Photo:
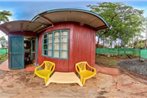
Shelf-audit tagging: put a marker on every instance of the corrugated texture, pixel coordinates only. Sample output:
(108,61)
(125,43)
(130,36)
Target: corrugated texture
(61,64)
(81,46)
(75,16)
(71,15)
(22,26)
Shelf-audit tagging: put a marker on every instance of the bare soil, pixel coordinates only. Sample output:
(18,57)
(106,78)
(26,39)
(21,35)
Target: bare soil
(20,84)
(109,61)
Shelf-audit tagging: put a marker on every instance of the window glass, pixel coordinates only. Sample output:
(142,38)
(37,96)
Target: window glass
(63,54)
(55,44)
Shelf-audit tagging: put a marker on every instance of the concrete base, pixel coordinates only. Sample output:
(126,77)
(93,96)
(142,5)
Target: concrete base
(4,66)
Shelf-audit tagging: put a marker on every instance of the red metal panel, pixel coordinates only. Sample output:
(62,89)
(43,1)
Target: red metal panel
(24,33)
(81,46)
(61,64)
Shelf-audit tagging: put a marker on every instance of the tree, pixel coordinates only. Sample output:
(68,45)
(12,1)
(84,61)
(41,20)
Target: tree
(3,42)
(4,16)
(125,21)
(145,30)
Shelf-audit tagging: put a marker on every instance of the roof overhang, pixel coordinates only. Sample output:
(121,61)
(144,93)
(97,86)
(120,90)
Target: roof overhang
(71,15)
(22,26)
(49,18)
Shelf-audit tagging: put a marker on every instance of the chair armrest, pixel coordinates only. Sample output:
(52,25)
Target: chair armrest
(76,67)
(92,68)
(52,69)
(37,67)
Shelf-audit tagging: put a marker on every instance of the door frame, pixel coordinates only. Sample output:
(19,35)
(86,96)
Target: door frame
(35,51)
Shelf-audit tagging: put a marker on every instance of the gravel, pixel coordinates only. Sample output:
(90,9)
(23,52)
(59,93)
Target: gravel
(135,65)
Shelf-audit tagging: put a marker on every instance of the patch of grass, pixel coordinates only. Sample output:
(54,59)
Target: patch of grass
(3,57)
(107,61)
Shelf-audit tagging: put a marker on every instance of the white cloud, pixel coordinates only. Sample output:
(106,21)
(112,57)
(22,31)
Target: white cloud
(11,19)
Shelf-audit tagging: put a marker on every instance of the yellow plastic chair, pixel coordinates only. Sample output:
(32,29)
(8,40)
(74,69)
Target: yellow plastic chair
(85,71)
(45,70)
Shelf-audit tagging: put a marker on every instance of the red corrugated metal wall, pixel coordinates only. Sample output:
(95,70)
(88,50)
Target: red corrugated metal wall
(81,46)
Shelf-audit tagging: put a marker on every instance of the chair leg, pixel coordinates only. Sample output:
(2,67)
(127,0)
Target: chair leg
(83,82)
(81,79)
(46,80)
(34,75)
(47,83)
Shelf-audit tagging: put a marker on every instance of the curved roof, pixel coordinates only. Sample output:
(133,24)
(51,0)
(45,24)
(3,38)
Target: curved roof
(75,15)
(21,26)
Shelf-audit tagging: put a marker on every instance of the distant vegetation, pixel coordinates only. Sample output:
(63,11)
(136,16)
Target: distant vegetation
(3,58)
(4,16)
(3,54)
(125,23)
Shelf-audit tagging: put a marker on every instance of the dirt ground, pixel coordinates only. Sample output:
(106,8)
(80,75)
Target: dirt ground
(109,61)
(20,84)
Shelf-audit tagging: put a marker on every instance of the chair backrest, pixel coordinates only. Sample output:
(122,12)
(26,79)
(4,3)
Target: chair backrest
(81,66)
(49,65)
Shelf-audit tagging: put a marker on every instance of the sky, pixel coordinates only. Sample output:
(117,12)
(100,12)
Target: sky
(27,9)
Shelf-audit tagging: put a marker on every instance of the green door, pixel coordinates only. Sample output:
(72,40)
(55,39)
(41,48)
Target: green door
(16,52)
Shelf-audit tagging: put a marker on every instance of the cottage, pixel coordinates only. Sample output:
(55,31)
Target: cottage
(63,36)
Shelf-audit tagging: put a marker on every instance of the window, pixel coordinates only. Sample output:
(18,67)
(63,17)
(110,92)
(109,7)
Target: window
(55,44)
